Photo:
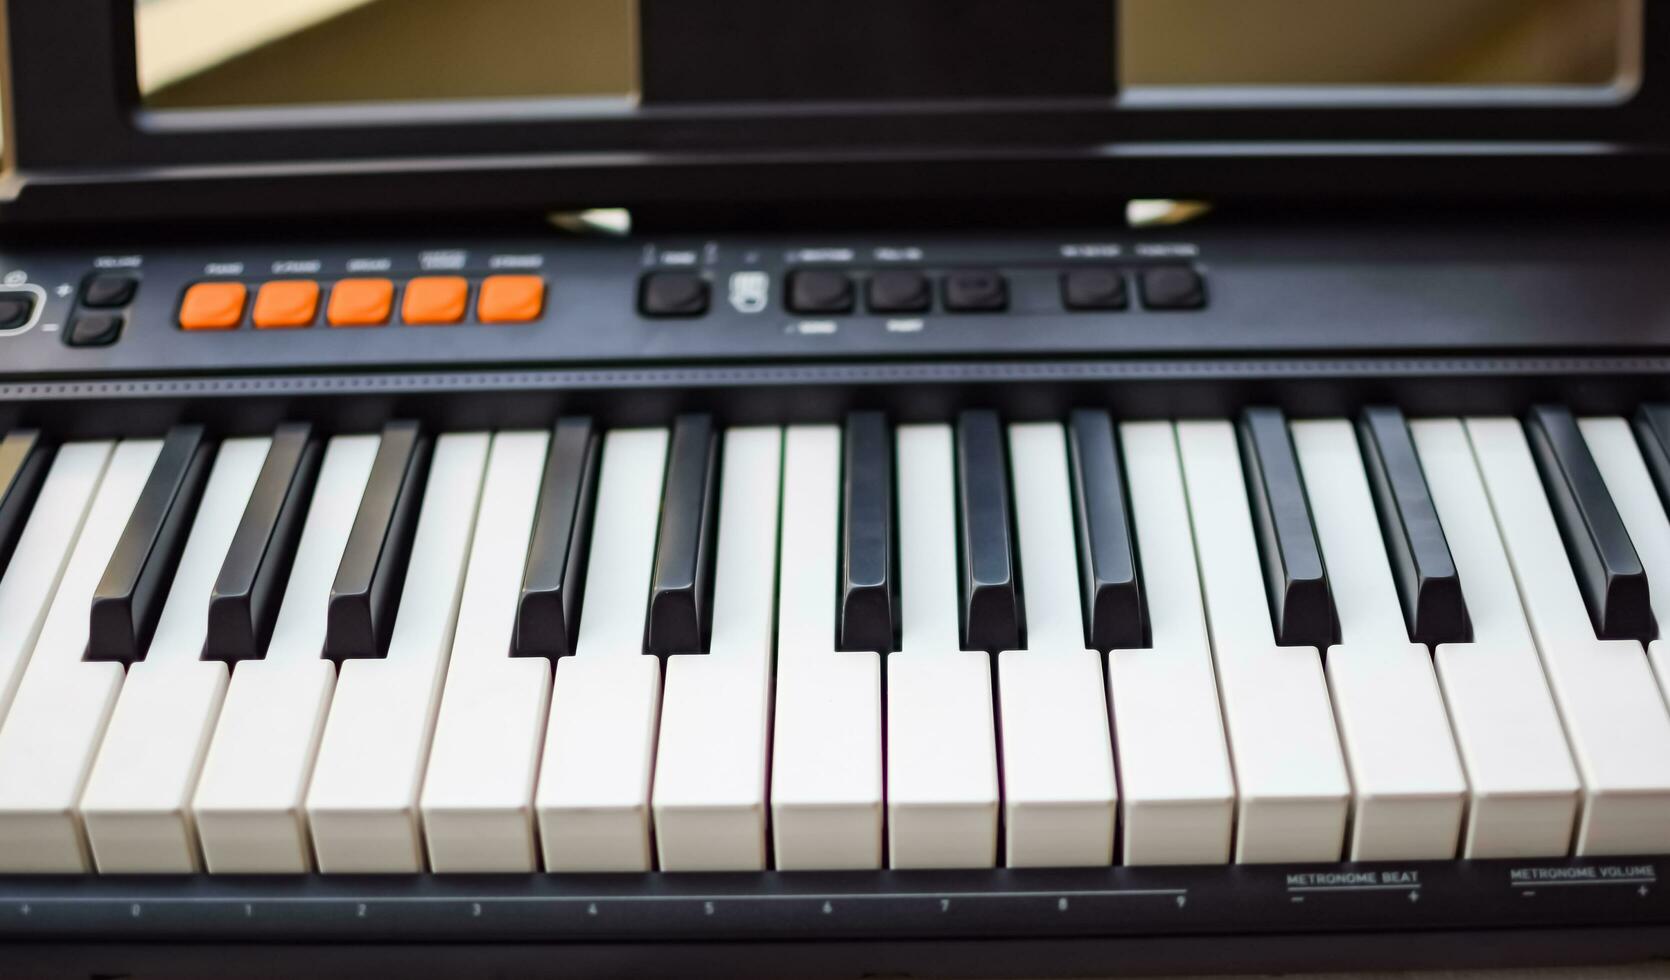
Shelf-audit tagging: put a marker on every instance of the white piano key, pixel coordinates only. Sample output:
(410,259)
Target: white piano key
(362,802)
(942,789)
(1612,443)
(1058,779)
(136,806)
(1291,779)
(708,794)
(1177,790)
(63,702)
(826,769)
(1408,789)
(248,802)
(42,552)
(594,781)
(1523,787)
(1614,714)
(478,785)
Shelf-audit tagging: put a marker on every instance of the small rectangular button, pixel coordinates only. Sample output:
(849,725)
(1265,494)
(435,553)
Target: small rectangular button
(286,303)
(360,303)
(434,299)
(108,291)
(1093,289)
(673,294)
(213,306)
(1172,287)
(94,330)
(976,291)
(510,299)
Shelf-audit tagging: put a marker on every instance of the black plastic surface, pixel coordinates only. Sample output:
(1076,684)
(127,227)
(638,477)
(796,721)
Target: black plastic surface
(244,604)
(366,592)
(1301,608)
(992,613)
(869,613)
(1427,582)
(681,590)
(1112,593)
(548,615)
(129,597)
(1608,571)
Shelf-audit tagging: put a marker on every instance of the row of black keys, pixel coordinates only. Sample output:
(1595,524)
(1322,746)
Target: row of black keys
(360,614)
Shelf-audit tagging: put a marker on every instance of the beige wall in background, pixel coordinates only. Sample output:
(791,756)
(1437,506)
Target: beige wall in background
(1292,42)
(236,52)
(422,49)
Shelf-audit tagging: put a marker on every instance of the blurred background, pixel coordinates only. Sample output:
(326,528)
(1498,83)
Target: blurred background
(195,53)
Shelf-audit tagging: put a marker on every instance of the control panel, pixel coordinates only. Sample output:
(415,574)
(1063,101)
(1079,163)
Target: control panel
(482,301)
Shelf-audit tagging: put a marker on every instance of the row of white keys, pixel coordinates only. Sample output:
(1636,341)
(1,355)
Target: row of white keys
(710,763)
(58,715)
(594,780)
(249,799)
(1293,791)
(1059,791)
(42,552)
(942,788)
(826,755)
(1612,443)
(1523,787)
(1614,713)
(137,804)
(362,802)
(1408,790)
(478,785)
(1177,799)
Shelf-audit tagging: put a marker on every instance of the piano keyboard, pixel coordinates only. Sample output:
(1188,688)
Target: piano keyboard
(1076,642)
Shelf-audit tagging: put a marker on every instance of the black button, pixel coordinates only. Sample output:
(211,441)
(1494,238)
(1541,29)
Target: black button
(108,291)
(94,330)
(899,291)
(820,291)
(15,311)
(1173,287)
(1093,289)
(977,291)
(672,294)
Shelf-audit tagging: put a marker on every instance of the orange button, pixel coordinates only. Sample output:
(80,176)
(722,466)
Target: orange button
(286,303)
(510,299)
(434,299)
(213,306)
(360,303)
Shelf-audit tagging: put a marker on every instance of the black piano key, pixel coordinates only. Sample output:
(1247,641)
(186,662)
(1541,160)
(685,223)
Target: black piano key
(244,603)
(24,458)
(129,597)
(1107,554)
(869,618)
(990,580)
(1609,573)
(1427,581)
(1301,608)
(680,611)
(1652,431)
(547,617)
(366,591)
